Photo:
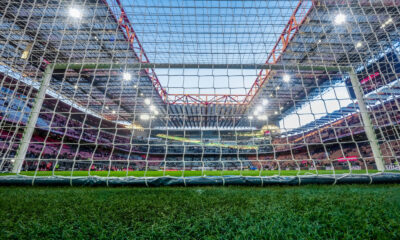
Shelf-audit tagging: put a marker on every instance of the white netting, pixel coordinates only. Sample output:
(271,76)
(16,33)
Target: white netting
(199,88)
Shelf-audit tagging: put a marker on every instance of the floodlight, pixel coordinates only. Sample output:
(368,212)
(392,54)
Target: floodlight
(387,22)
(340,19)
(75,12)
(286,78)
(126,76)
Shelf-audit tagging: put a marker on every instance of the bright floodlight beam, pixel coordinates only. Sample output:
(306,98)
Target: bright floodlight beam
(126,76)
(75,12)
(286,78)
(340,19)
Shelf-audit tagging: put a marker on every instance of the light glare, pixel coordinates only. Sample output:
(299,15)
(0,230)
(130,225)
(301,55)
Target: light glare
(340,19)
(74,12)
(126,76)
(286,78)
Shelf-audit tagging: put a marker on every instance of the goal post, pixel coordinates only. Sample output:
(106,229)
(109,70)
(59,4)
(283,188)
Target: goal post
(32,120)
(366,120)
(44,83)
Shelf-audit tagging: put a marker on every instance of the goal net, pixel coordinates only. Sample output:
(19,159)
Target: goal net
(199,92)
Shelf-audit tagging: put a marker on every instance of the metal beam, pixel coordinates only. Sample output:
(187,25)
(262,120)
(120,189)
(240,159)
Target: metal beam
(136,66)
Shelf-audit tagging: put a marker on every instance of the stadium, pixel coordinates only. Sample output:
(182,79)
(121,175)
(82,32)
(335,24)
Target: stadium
(201,93)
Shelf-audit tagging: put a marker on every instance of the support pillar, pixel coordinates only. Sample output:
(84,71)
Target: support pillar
(32,120)
(366,120)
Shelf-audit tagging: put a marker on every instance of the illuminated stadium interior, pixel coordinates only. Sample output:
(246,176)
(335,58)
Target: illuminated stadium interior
(199,88)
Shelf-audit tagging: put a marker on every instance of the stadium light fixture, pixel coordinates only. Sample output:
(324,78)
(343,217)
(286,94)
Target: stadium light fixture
(265,102)
(359,44)
(340,19)
(153,108)
(75,12)
(147,101)
(387,22)
(126,76)
(113,112)
(286,78)
(135,86)
(155,112)
(144,117)
(251,117)
(107,107)
(76,86)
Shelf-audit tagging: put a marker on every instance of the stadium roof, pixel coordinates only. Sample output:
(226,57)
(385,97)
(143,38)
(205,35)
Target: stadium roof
(105,33)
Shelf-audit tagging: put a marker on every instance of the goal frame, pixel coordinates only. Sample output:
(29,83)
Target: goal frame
(48,73)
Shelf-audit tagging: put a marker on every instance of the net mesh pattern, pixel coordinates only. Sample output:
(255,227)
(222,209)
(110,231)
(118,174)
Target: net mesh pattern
(149,89)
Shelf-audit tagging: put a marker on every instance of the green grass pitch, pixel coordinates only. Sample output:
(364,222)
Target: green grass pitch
(279,212)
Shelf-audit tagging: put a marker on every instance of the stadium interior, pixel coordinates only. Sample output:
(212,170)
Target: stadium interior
(120,97)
